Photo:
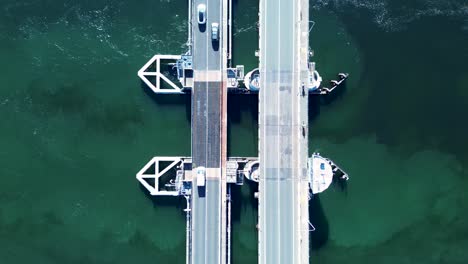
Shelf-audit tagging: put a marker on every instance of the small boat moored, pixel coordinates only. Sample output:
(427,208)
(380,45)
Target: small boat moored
(322,172)
(252,80)
(251,170)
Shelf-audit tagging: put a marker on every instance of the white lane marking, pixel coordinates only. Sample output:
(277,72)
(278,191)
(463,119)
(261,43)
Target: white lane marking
(194,203)
(193,209)
(221,121)
(294,95)
(279,127)
(208,75)
(264,129)
(206,132)
(207,156)
(262,91)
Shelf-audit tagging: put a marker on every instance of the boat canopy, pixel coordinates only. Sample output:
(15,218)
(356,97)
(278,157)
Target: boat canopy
(321,174)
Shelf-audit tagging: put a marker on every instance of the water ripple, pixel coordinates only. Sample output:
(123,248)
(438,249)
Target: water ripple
(393,16)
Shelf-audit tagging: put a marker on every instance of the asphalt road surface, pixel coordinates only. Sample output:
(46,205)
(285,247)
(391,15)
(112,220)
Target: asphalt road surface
(206,134)
(281,142)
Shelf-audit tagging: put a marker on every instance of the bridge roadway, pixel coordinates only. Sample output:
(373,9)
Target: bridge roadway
(283,123)
(208,237)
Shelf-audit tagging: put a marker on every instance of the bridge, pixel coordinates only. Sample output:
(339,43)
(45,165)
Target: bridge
(286,175)
(283,224)
(209,99)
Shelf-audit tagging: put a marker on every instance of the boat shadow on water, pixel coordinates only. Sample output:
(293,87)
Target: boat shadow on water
(341,184)
(318,219)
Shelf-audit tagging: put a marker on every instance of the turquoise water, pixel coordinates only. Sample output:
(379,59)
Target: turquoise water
(76,127)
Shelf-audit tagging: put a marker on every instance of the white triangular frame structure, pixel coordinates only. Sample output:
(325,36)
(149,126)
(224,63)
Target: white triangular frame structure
(156,87)
(154,190)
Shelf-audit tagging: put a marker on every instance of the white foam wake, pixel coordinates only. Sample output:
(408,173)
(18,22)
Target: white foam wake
(393,16)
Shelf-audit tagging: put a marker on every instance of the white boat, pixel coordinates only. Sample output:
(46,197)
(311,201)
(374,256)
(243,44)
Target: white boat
(320,174)
(252,80)
(314,81)
(251,170)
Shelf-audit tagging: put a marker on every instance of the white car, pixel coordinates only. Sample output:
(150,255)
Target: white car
(201,173)
(214,31)
(201,10)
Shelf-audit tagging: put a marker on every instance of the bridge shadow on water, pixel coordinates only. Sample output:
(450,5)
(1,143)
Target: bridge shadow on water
(240,201)
(317,217)
(177,202)
(243,200)
(170,99)
(316,101)
(337,94)
(239,104)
